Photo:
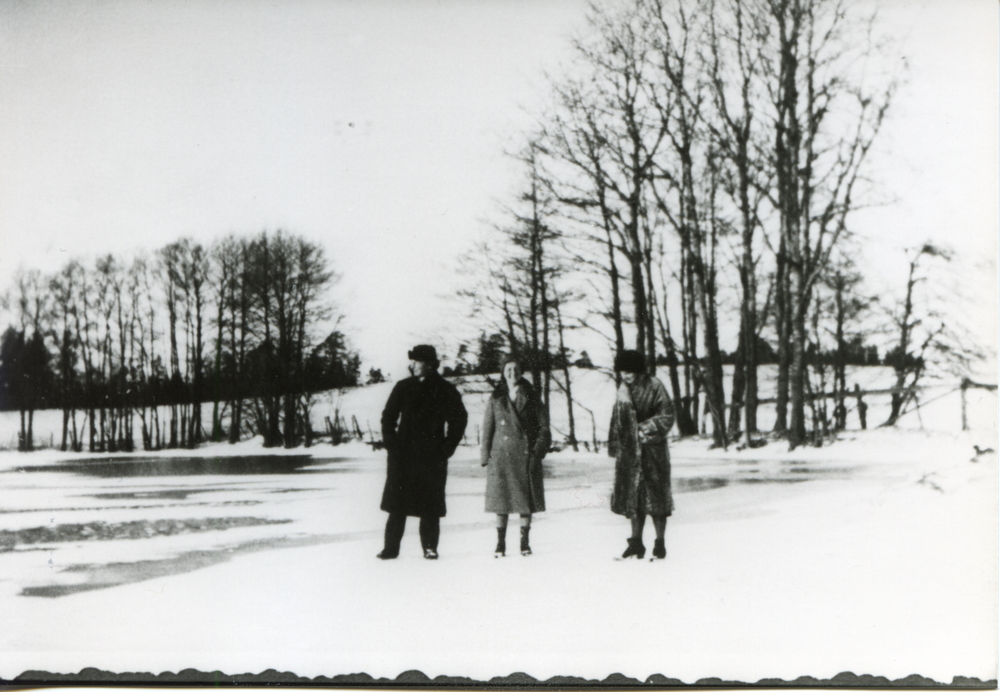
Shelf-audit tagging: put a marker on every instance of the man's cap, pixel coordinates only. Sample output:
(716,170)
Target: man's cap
(424,353)
(630,361)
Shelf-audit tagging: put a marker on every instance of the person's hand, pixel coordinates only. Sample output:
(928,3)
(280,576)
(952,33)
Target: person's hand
(647,432)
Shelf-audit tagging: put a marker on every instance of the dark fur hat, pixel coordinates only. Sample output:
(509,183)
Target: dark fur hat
(424,353)
(630,361)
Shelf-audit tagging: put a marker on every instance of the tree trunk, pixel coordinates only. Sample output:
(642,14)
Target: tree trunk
(840,365)
(569,388)
(797,369)
(616,309)
(75,443)
(235,423)
(739,390)
(685,425)
(784,350)
(65,428)
(290,417)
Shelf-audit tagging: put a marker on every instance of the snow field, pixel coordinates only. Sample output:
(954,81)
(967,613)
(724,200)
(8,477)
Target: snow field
(873,572)
(875,555)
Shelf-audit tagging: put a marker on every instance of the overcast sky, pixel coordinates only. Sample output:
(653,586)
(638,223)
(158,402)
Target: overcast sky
(378,129)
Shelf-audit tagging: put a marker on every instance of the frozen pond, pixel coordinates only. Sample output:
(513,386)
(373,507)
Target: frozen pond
(110,467)
(268,561)
(158,516)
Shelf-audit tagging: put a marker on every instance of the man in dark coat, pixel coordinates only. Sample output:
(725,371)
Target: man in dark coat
(422,424)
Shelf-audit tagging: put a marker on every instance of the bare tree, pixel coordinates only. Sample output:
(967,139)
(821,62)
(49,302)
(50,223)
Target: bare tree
(734,79)
(815,69)
(34,315)
(606,132)
(171,275)
(918,333)
(63,289)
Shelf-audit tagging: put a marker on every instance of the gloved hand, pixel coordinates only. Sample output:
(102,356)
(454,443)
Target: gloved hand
(648,432)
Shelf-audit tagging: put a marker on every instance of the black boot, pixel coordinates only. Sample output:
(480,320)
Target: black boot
(659,550)
(430,531)
(525,548)
(394,527)
(501,542)
(636,548)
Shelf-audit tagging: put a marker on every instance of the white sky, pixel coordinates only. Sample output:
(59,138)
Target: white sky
(377,129)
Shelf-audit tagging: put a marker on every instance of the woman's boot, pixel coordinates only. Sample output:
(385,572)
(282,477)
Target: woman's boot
(659,549)
(635,548)
(525,548)
(501,542)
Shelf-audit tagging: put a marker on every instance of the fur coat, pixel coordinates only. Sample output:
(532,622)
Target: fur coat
(637,438)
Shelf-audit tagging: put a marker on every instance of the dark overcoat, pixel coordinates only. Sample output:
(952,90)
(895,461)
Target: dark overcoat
(515,439)
(422,424)
(637,438)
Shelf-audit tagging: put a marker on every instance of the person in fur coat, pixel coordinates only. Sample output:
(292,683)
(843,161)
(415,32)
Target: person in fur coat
(643,415)
(515,439)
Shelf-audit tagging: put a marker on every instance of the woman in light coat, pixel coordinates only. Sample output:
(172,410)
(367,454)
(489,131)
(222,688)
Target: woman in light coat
(516,438)
(637,438)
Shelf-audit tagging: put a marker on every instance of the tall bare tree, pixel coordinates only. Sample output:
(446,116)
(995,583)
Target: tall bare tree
(827,118)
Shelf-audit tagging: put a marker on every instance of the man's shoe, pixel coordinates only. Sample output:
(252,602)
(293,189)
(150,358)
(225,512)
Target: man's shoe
(659,550)
(386,555)
(430,554)
(636,548)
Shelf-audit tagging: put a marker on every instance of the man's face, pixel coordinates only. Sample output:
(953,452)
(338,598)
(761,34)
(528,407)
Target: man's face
(630,377)
(420,368)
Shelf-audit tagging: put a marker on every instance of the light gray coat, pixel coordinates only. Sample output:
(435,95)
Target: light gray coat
(515,439)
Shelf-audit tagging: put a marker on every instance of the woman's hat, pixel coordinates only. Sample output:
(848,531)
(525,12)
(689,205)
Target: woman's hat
(630,361)
(424,353)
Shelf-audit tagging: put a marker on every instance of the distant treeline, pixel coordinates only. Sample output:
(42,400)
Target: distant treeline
(143,343)
(492,350)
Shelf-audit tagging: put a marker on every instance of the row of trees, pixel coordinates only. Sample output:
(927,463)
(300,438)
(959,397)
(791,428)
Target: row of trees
(697,168)
(145,343)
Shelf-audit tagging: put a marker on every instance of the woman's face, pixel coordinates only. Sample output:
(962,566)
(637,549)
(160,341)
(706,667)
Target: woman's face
(630,377)
(512,373)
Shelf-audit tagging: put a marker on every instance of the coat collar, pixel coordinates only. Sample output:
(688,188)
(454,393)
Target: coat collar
(524,391)
(520,404)
(430,378)
(642,379)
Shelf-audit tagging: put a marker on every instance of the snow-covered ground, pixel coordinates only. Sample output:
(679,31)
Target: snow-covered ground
(875,555)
